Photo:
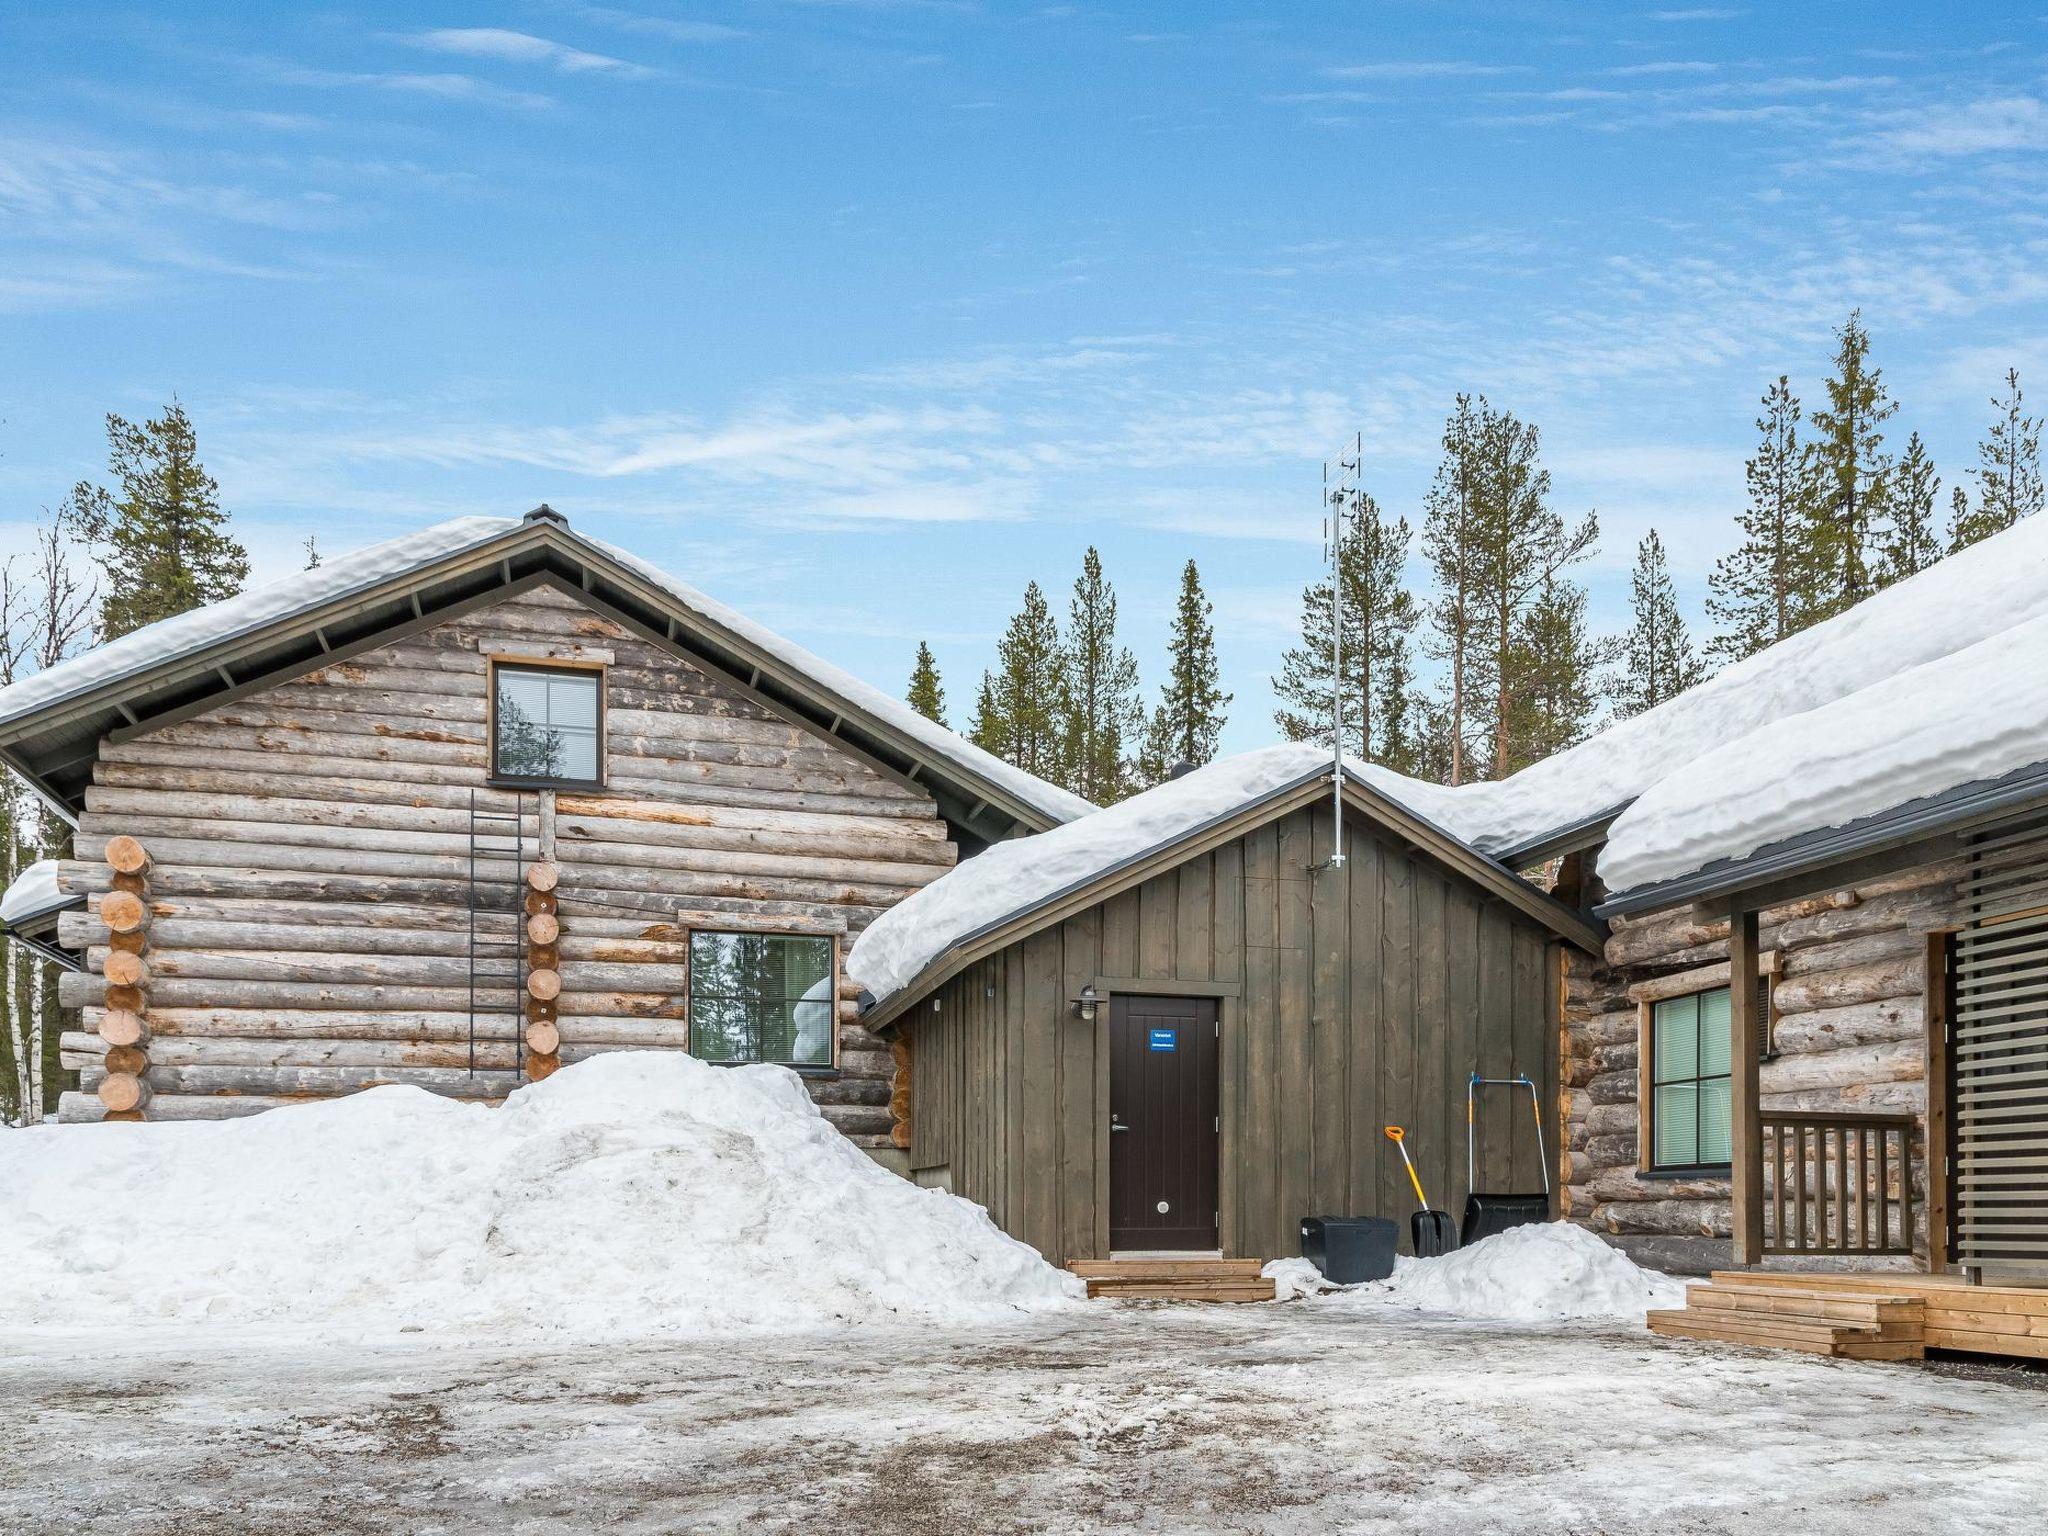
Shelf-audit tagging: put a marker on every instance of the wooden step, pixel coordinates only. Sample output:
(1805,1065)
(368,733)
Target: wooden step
(1846,1324)
(1194,1279)
(1814,1306)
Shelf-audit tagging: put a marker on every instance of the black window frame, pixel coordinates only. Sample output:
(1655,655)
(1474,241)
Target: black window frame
(1651,1083)
(596,674)
(826,1068)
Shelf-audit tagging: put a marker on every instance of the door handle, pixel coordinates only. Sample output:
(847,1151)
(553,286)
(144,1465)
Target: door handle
(1117,1127)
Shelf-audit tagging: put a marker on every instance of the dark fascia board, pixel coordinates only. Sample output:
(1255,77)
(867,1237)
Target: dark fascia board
(1394,818)
(38,932)
(1812,854)
(366,616)
(1588,832)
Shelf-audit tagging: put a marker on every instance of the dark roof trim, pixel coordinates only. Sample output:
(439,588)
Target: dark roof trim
(53,747)
(1952,810)
(1392,816)
(38,931)
(1572,837)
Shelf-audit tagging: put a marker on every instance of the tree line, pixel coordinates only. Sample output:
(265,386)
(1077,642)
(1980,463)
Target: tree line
(109,560)
(1492,664)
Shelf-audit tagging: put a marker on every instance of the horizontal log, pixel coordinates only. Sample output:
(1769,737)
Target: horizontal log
(399,1025)
(1698,979)
(86,1109)
(1864,949)
(1885,1062)
(1613,1087)
(1625,1184)
(1695,1218)
(1857,1024)
(81,989)
(1908,1097)
(1903,977)
(288,1082)
(396,970)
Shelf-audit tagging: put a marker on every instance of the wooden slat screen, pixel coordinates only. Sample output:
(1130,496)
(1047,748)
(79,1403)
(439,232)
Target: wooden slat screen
(1999,1055)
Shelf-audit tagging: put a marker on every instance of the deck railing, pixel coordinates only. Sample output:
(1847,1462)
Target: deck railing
(1837,1183)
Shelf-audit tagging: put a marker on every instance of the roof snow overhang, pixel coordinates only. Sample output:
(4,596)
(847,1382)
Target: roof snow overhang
(1918,831)
(1404,825)
(54,745)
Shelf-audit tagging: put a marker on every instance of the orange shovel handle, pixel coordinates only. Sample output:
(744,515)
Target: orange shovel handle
(1394,1133)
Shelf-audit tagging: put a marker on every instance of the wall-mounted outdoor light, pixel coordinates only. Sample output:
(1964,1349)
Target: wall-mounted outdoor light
(1086,1004)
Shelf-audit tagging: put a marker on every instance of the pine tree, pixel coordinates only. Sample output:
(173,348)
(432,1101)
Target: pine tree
(926,696)
(1103,711)
(162,538)
(1379,618)
(1554,681)
(2008,472)
(1656,654)
(1763,591)
(1853,475)
(1450,542)
(1959,514)
(1908,542)
(1522,545)
(1020,715)
(1189,719)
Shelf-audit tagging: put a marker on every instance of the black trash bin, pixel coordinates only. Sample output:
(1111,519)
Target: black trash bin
(1350,1249)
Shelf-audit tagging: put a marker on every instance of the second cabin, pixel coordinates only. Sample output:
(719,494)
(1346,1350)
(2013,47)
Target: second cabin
(1179,1025)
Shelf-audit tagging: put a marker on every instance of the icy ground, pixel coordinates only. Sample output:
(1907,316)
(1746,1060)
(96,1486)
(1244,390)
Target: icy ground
(1288,1418)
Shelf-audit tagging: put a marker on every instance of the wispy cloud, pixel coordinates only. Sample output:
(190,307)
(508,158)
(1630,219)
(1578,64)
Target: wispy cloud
(1665,67)
(669,28)
(524,48)
(1994,126)
(1422,69)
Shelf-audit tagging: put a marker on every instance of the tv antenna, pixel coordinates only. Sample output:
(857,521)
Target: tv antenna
(1343,490)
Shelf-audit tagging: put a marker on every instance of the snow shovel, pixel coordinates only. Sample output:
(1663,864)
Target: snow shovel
(1431,1230)
(1486,1214)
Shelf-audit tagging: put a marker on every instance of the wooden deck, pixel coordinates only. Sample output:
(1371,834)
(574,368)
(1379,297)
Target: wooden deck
(1202,1279)
(1871,1316)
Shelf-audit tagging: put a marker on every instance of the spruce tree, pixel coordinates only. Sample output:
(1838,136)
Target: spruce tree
(1853,475)
(1521,546)
(1554,679)
(2008,472)
(926,695)
(1763,591)
(1379,619)
(1450,542)
(1185,726)
(1020,715)
(1656,654)
(1908,542)
(1103,711)
(161,537)
(1959,515)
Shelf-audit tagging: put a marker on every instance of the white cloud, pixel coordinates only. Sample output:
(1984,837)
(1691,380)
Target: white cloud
(523,48)
(669,28)
(1421,69)
(1993,126)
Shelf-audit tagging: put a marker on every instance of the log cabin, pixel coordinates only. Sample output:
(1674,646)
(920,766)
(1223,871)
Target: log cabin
(465,806)
(461,808)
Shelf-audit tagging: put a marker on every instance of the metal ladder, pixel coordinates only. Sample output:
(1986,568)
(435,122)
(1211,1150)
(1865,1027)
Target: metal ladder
(497,929)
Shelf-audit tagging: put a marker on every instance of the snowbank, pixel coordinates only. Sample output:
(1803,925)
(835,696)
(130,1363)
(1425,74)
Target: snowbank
(1543,1272)
(1975,715)
(33,893)
(640,1192)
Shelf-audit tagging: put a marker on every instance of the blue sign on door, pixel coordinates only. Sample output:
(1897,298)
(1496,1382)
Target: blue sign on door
(1164,1039)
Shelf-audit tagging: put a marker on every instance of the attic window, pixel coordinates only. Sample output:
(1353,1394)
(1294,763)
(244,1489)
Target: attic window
(547,725)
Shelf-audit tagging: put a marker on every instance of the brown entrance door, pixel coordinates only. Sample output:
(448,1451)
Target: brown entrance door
(1162,1123)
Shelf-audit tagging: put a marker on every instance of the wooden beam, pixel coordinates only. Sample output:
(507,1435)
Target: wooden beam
(1938,1259)
(1746,1129)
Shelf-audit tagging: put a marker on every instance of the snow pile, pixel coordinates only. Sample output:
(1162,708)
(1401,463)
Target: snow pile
(640,1192)
(1542,1272)
(1975,715)
(33,893)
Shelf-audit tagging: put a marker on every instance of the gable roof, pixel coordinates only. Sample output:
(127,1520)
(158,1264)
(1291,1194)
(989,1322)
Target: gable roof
(1019,887)
(51,724)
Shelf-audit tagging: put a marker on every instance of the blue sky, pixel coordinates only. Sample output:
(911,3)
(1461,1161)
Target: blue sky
(860,314)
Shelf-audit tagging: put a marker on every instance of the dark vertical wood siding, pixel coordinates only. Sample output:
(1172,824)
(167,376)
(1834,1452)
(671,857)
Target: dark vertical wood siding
(1356,998)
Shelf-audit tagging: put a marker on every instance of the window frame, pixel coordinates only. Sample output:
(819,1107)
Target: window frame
(827,1068)
(499,664)
(1646,1091)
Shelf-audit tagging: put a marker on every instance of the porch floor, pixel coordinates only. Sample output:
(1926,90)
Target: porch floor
(1878,1314)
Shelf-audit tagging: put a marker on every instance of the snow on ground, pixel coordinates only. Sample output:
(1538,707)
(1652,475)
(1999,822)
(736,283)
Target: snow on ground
(1541,1272)
(1974,715)
(640,1192)
(1293,1420)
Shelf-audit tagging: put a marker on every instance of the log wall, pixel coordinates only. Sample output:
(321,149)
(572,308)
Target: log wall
(1850,997)
(311,877)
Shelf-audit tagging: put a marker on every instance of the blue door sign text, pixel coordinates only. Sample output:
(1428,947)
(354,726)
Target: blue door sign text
(1165,1039)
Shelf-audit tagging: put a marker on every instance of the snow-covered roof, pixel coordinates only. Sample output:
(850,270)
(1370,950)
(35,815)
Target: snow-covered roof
(1742,718)
(345,576)
(1014,878)
(34,894)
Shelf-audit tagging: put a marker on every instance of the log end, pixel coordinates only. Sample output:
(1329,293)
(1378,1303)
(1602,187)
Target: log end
(123,911)
(121,1091)
(543,877)
(126,855)
(543,1039)
(544,984)
(118,1026)
(538,1067)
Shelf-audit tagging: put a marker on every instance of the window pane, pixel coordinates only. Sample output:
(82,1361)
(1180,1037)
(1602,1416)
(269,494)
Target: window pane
(1675,1026)
(762,997)
(1714,1041)
(547,724)
(1676,1117)
(572,699)
(1716,1143)
(576,751)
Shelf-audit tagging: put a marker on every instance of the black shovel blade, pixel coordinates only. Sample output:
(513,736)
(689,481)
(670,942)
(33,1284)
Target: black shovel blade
(1433,1233)
(1486,1215)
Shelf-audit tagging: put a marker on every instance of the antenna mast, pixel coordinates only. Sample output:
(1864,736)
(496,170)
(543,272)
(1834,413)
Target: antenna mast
(1343,485)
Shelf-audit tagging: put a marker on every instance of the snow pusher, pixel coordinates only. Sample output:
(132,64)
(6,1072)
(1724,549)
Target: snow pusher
(1431,1230)
(1486,1214)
